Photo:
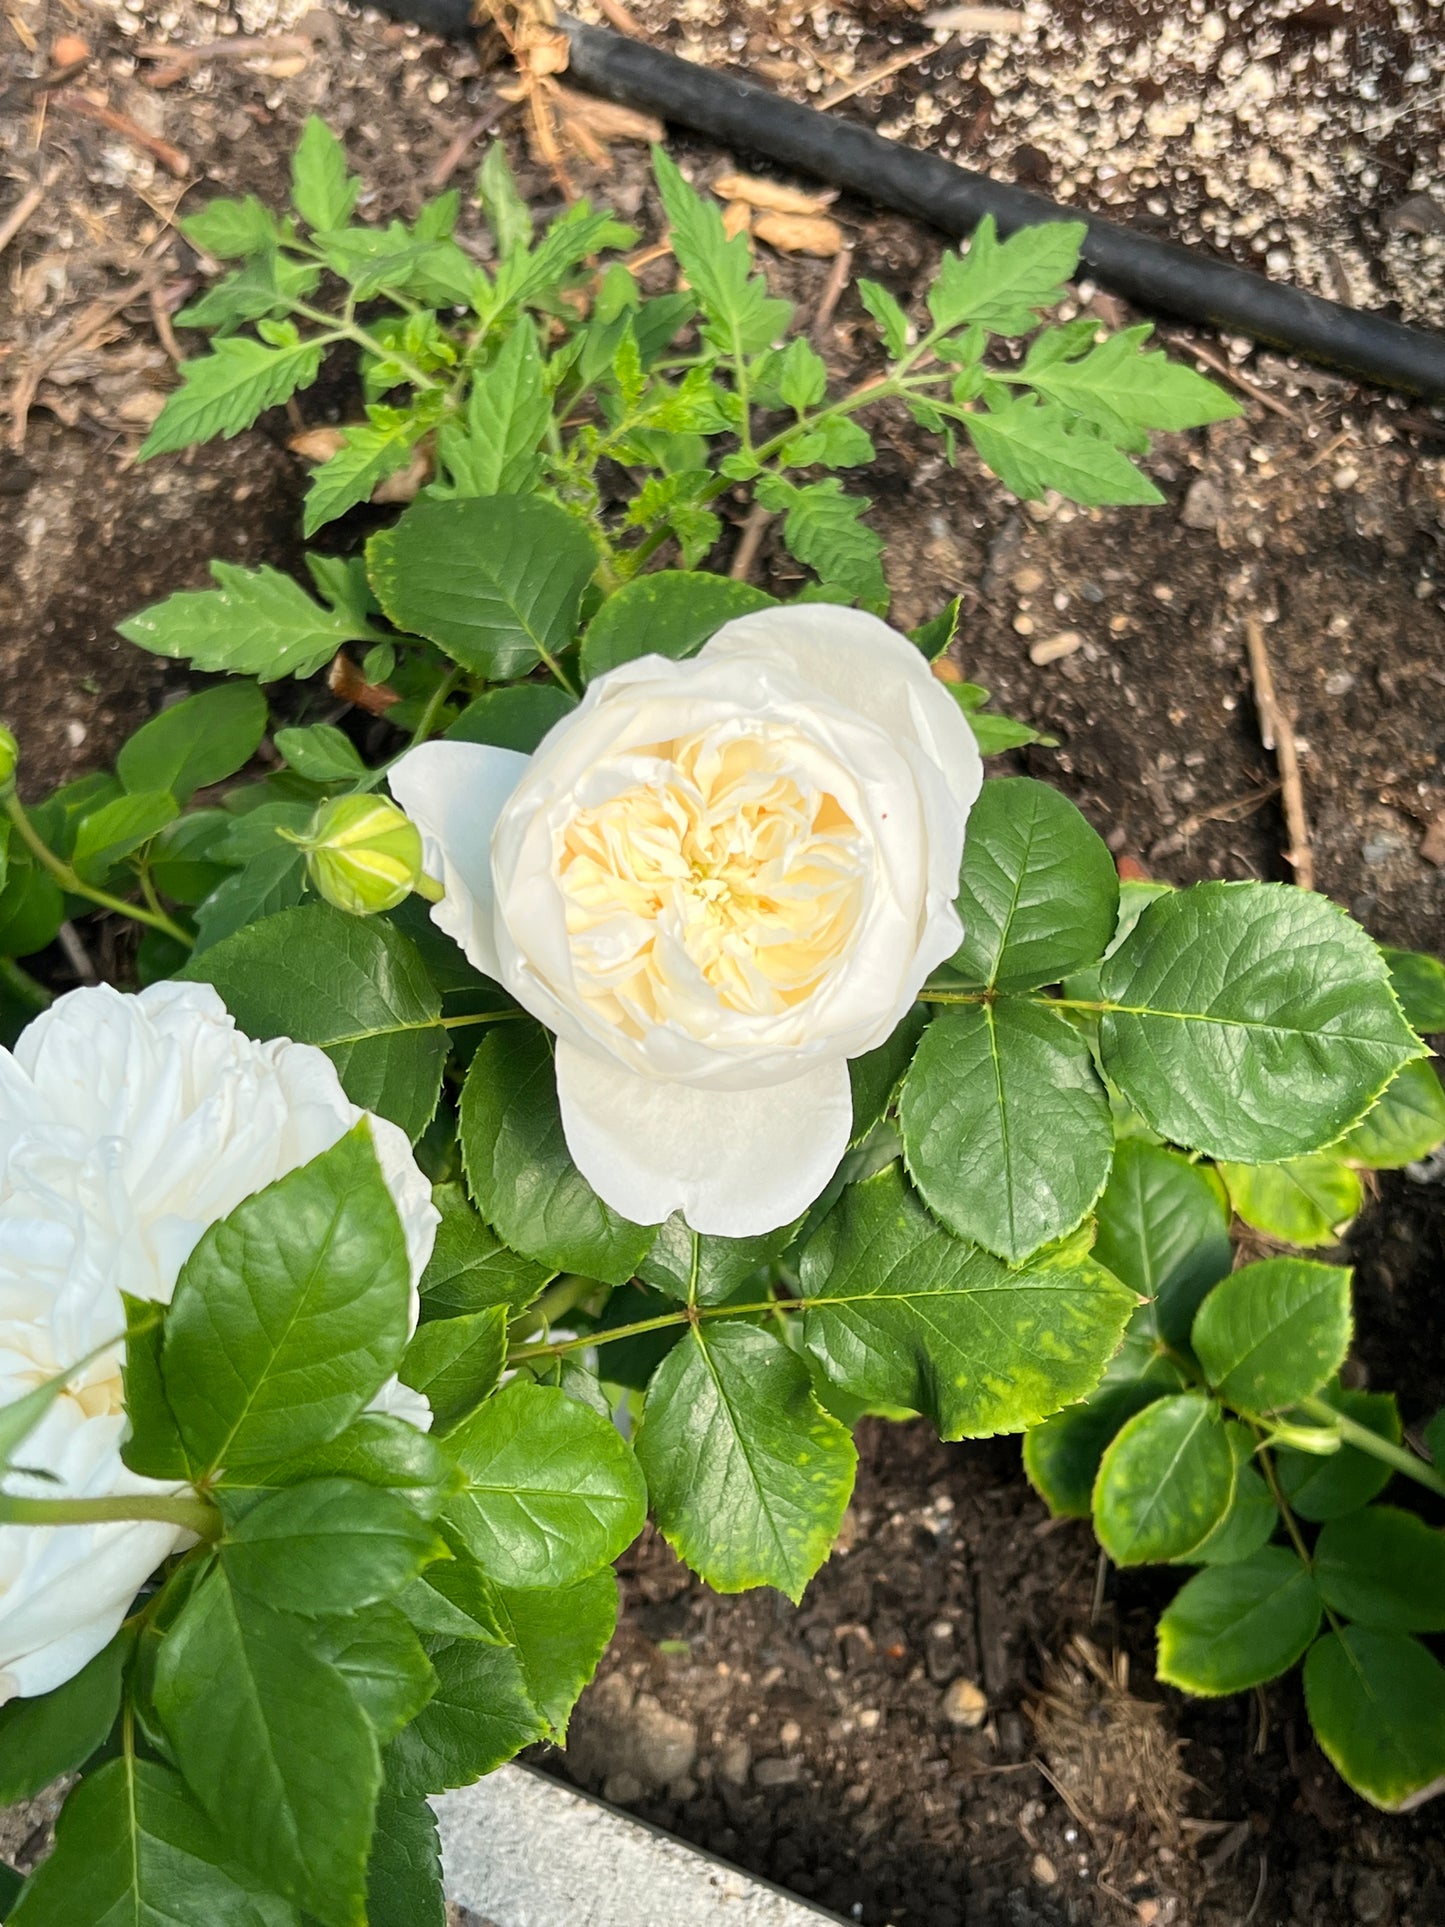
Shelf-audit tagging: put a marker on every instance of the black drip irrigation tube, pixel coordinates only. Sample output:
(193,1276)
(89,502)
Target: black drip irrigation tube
(1154,274)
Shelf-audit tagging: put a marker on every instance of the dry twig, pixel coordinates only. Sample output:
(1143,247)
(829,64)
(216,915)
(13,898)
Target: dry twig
(750,542)
(839,276)
(170,158)
(456,151)
(88,325)
(1276,732)
(165,333)
(22,211)
(860,83)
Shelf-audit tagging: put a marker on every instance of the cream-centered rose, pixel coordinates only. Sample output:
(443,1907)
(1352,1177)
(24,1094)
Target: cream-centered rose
(716,880)
(127,1126)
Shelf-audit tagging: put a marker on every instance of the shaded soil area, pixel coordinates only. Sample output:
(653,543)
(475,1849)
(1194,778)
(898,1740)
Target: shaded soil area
(959,1727)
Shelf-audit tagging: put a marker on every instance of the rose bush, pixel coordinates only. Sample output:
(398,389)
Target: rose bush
(716,880)
(128,1125)
(982,1123)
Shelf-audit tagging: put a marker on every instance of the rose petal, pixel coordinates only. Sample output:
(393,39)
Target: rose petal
(454,793)
(735,1163)
(857,659)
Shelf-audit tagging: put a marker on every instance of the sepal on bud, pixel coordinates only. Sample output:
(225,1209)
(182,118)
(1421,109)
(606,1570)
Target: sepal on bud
(363,855)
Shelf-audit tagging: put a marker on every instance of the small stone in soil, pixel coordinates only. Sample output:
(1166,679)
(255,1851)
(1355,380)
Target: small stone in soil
(1044,1870)
(1203,506)
(1055,648)
(770,1773)
(623,1789)
(734,1761)
(965,1704)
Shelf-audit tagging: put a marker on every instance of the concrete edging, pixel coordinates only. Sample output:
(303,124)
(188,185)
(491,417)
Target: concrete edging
(522,1850)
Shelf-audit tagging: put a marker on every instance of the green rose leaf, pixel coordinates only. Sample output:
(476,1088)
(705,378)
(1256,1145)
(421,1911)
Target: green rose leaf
(1305,1201)
(133,1847)
(516,717)
(1236,1626)
(479,1716)
(1164,1230)
(670,614)
(1006,1127)
(355,986)
(1377,1704)
(1062,1454)
(284,1761)
(1419,982)
(377,1449)
(404,1873)
(520,1171)
(1324,1488)
(559,1638)
(40,1739)
(327,1546)
(377,1653)
(552,1490)
(1252,1516)
(901,1313)
(702,1270)
(1272,1333)
(1406,1124)
(456,1362)
(495,581)
(1165,1482)
(290,1313)
(1385,1568)
(1254,1021)
(1038,893)
(196,742)
(749,1477)
(258,622)
(876,1075)
(117,829)
(470,1268)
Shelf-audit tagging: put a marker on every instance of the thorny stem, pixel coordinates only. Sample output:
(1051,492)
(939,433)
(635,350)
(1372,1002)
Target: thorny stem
(74,886)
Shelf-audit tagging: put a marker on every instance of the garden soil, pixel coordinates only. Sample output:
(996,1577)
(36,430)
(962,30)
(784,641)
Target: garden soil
(959,1726)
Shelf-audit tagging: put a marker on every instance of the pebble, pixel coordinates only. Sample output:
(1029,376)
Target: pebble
(965,1704)
(1029,580)
(1044,1870)
(940,1654)
(1024,625)
(778,1772)
(1055,648)
(662,1746)
(1338,681)
(1345,478)
(734,1762)
(1203,505)
(869,1718)
(791,1733)
(623,1789)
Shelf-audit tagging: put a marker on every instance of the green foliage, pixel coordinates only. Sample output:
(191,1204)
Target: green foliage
(1026,1234)
(748,1476)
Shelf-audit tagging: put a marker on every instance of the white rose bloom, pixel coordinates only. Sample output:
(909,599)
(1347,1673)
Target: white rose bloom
(717,880)
(128,1125)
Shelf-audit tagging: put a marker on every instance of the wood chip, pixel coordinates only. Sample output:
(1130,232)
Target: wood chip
(346,681)
(1432,844)
(800,234)
(773,196)
(975,20)
(1054,648)
(737,219)
(316,444)
(606,120)
(965,1704)
(1276,732)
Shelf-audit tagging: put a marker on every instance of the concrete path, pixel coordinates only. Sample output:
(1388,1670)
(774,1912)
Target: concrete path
(520,1850)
